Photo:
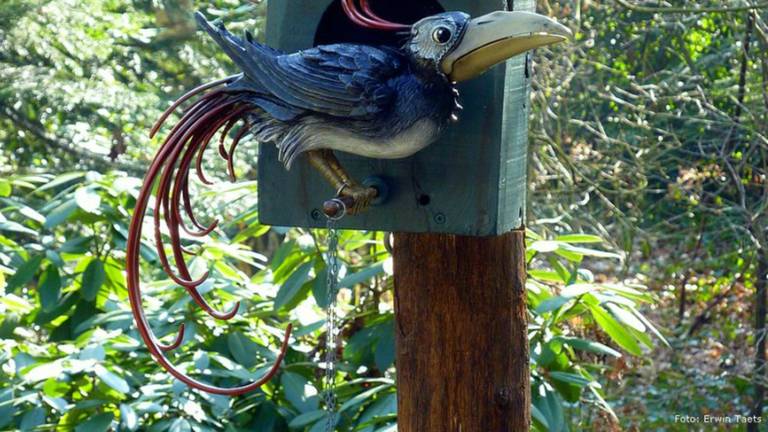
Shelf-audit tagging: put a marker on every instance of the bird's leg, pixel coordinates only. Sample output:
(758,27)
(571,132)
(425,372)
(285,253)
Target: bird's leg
(325,162)
(335,165)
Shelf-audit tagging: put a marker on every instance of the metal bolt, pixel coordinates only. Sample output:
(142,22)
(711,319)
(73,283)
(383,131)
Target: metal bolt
(440,219)
(316,214)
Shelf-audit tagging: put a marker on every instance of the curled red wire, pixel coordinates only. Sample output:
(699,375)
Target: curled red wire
(367,17)
(213,112)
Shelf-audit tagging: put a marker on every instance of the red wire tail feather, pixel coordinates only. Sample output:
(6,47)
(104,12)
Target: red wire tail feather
(367,17)
(215,111)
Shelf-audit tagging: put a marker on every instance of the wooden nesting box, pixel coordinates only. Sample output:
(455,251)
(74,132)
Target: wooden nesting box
(470,182)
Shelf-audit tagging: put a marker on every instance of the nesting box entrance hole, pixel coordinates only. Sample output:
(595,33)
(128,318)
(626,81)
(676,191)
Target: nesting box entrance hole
(335,27)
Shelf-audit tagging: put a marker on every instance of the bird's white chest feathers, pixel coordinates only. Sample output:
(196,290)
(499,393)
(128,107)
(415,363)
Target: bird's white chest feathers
(406,143)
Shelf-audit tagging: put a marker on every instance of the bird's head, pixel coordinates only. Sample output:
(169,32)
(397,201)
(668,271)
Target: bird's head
(460,48)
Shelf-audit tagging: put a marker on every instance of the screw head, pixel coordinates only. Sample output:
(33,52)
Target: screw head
(440,219)
(316,214)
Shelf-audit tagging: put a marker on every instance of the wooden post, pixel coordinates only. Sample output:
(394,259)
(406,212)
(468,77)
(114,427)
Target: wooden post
(462,346)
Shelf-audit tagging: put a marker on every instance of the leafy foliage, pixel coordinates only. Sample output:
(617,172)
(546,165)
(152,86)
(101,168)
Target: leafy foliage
(73,358)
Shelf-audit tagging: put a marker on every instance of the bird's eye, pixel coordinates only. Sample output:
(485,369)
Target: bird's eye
(441,35)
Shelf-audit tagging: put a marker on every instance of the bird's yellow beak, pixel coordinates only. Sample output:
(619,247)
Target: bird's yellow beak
(494,38)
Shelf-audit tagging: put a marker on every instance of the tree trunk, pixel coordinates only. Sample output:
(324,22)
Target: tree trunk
(761,307)
(462,345)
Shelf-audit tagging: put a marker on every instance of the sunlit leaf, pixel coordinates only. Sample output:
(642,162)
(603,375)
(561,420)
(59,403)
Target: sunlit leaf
(5,188)
(12,226)
(579,238)
(62,180)
(362,275)
(625,316)
(616,331)
(544,246)
(88,199)
(16,304)
(128,418)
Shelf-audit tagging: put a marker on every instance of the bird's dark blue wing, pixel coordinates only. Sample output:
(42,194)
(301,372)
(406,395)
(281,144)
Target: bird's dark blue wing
(342,80)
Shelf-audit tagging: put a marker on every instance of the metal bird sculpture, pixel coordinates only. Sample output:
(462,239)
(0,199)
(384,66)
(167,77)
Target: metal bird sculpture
(373,101)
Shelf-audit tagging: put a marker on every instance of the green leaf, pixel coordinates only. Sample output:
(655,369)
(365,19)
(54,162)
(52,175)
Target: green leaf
(579,238)
(362,275)
(111,379)
(88,199)
(180,425)
(592,252)
(650,325)
(93,278)
(128,417)
(60,214)
(320,288)
(571,378)
(244,350)
(566,275)
(546,276)
(12,226)
(32,419)
(49,288)
(42,371)
(616,331)
(5,188)
(16,304)
(99,423)
(321,425)
(552,303)
(571,256)
(64,179)
(32,214)
(292,288)
(57,403)
(76,245)
(550,407)
(299,392)
(384,355)
(624,316)
(539,416)
(381,410)
(588,345)
(544,246)
(306,419)
(7,407)
(24,273)
(362,397)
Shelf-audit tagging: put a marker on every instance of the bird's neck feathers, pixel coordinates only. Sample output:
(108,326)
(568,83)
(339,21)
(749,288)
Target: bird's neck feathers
(428,72)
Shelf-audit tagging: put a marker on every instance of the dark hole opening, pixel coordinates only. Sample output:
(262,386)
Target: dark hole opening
(424,200)
(335,26)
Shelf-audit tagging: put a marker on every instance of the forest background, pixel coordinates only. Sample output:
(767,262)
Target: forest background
(648,196)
